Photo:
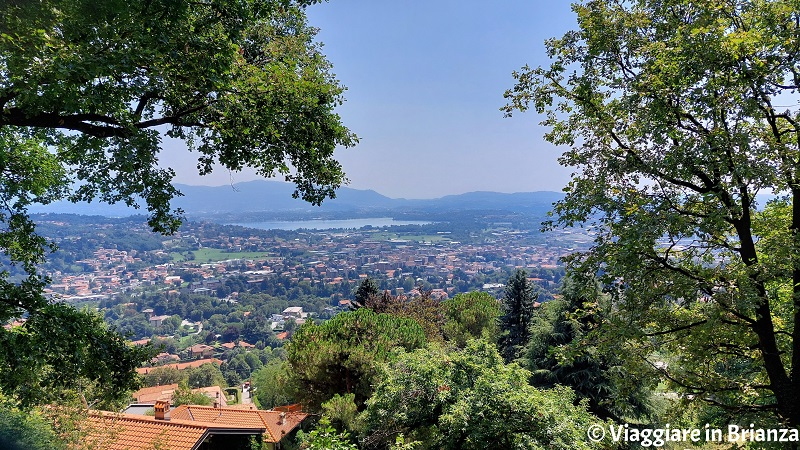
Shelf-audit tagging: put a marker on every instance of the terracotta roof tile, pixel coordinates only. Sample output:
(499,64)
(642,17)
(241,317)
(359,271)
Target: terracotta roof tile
(249,406)
(281,423)
(276,424)
(219,416)
(117,431)
(180,366)
(110,431)
(151,394)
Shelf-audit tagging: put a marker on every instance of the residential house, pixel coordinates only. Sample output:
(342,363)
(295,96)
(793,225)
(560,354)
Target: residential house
(156,321)
(277,424)
(295,312)
(180,366)
(164,358)
(165,393)
(200,351)
(118,431)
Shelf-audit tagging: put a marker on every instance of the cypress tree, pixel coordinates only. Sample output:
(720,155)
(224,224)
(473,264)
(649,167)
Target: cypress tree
(518,309)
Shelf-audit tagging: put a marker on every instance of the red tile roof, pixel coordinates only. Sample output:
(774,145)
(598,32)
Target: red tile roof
(167,392)
(110,431)
(116,431)
(151,394)
(181,366)
(276,424)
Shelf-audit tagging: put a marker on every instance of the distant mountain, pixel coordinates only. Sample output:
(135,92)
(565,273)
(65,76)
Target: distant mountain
(276,196)
(519,201)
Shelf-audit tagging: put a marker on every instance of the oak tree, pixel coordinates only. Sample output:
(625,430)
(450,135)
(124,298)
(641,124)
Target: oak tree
(675,116)
(89,90)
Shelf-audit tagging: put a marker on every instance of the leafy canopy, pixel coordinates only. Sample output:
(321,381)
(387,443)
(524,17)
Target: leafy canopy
(472,315)
(468,398)
(63,352)
(562,351)
(343,355)
(675,116)
(89,90)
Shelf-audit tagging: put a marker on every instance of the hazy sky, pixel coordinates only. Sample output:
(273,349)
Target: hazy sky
(425,83)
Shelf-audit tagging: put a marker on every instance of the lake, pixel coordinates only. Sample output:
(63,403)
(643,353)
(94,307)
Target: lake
(320,224)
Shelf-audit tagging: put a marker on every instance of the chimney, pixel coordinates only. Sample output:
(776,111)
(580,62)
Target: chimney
(282,418)
(162,410)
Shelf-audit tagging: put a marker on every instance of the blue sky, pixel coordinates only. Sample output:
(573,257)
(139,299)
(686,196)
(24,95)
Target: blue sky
(425,83)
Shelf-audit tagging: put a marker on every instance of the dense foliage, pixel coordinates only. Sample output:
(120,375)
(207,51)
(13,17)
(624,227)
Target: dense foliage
(473,315)
(518,303)
(559,353)
(100,361)
(468,399)
(673,114)
(23,430)
(342,355)
(86,91)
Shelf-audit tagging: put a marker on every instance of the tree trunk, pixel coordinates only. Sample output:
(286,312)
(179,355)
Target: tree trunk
(764,328)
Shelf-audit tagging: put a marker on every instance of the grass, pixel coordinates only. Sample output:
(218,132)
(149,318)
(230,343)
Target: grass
(205,255)
(214,254)
(186,341)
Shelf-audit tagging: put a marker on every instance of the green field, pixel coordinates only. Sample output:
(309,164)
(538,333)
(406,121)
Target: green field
(205,255)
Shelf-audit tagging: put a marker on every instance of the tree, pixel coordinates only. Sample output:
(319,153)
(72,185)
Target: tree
(366,291)
(473,315)
(257,329)
(342,412)
(88,89)
(64,353)
(160,376)
(325,437)
(559,354)
(23,430)
(518,303)
(424,309)
(343,354)
(270,385)
(469,398)
(184,396)
(206,375)
(230,333)
(673,116)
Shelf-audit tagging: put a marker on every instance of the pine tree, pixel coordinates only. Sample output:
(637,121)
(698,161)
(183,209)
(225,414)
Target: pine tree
(518,309)
(366,290)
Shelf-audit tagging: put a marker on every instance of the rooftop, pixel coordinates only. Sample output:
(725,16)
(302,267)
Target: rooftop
(276,424)
(116,431)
